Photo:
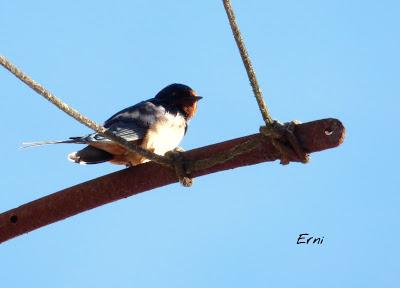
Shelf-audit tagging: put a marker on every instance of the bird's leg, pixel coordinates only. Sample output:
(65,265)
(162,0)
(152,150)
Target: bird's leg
(180,165)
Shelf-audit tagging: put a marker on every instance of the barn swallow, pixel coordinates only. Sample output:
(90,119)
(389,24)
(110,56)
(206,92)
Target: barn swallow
(157,124)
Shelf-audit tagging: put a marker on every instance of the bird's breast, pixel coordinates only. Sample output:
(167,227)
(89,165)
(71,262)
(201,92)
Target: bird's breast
(165,134)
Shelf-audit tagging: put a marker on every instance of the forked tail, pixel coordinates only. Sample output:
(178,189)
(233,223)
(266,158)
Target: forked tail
(40,143)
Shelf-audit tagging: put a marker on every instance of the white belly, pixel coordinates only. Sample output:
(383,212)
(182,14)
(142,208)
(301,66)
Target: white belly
(165,135)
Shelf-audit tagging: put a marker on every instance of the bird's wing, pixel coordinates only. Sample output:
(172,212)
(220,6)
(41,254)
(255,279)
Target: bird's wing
(131,123)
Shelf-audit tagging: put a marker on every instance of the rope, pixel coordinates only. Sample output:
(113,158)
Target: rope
(180,165)
(247,62)
(279,133)
(224,156)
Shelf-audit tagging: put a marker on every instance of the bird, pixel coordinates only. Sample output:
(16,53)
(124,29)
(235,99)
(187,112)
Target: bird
(157,124)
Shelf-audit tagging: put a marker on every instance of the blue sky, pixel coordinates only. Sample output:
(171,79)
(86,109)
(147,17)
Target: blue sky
(314,59)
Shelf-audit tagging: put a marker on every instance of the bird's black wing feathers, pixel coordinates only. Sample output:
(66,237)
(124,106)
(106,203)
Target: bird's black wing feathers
(130,123)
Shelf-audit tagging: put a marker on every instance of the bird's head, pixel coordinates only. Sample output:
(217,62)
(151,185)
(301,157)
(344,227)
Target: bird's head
(181,97)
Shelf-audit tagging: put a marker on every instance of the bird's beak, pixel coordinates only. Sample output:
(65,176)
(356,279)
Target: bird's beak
(198,98)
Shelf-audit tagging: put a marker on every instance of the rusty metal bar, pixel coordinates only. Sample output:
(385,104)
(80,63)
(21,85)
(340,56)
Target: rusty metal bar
(313,136)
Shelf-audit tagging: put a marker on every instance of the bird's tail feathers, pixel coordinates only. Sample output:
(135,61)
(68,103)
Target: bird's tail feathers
(40,143)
